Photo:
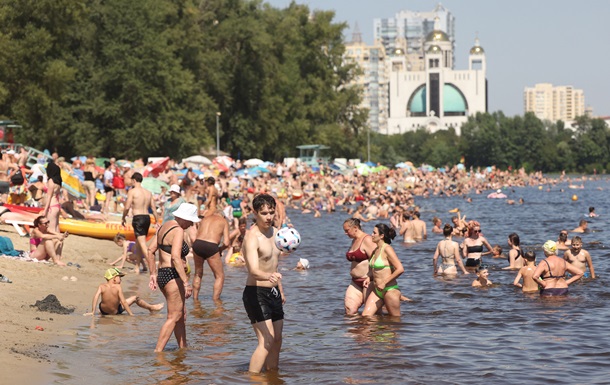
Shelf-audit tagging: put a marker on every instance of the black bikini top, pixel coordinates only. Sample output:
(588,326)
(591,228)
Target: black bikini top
(474,249)
(168,248)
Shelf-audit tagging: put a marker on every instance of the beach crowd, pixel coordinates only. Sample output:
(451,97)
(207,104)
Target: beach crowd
(200,211)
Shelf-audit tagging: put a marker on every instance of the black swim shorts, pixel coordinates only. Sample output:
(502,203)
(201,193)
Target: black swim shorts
(472,262)
(204,249)
(4,187)
(120,310)
(141,224)
(263,303)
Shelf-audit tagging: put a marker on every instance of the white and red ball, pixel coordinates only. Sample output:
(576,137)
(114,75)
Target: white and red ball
(287,239)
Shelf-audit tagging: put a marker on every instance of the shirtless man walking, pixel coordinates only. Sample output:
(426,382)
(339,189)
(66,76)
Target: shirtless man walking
(263,295)
(211,230)
(211,197)
(139,200)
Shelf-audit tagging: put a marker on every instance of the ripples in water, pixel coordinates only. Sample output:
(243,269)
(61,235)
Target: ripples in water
(450,333)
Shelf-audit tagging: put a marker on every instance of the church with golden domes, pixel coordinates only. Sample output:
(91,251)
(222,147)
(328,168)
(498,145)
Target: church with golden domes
(435,96)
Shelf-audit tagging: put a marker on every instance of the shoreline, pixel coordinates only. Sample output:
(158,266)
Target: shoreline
(28,351)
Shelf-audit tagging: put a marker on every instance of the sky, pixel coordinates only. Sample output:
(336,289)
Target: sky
(563,42)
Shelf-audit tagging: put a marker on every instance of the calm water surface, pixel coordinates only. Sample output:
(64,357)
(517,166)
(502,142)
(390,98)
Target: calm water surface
(450,333)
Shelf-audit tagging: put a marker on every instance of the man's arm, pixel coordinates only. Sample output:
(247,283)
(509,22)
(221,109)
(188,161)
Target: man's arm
(96,296)
(589,263)
(123,301)
(127,206)
(153,207)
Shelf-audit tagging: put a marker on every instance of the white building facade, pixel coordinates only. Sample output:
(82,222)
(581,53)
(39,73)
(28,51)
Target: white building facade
(436,97)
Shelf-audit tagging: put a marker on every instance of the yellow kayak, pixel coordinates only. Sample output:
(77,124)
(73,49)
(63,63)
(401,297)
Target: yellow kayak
(101,230)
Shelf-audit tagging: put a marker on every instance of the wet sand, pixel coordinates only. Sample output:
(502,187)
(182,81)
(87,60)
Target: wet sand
(28,351)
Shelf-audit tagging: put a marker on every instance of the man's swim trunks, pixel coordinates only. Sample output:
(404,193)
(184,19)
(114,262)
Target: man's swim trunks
(141,224)
(120,310)
(263,303)
(204,249)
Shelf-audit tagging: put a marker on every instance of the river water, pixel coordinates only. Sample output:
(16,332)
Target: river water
(450,333)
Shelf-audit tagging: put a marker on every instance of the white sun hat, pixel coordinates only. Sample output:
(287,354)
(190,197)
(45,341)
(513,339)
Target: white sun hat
(188,212)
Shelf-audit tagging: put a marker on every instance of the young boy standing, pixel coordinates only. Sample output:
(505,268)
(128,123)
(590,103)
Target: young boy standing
(263,295)
(113,301)
(526,272)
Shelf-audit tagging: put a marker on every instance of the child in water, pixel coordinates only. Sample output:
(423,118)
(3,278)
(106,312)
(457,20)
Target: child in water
(302,264)
(113,301)
(496,252)
(130,254)
(526,272)
(482,277)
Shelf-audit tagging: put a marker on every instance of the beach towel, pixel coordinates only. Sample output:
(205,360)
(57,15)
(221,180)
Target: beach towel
(6,247)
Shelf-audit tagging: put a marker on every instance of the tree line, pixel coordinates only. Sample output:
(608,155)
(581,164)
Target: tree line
(507,142)
(137,78)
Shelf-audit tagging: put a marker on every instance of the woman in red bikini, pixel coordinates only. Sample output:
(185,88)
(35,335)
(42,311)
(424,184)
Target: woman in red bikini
(359,253)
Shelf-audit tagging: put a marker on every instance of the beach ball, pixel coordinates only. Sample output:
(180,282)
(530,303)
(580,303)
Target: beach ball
(287,239)
(574,197)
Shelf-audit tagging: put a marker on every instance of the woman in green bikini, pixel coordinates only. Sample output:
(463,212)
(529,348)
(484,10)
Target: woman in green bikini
(385,267)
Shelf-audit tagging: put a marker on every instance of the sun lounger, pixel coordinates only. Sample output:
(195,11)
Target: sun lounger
(17,225)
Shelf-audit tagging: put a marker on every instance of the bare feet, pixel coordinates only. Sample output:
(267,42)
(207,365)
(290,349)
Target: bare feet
(403,298)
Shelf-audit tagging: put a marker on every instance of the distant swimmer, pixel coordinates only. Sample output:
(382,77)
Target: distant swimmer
(582,227)
(592,213)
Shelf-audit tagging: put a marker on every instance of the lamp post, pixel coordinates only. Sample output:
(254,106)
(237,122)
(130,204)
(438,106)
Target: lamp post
(217,134)
(368,144)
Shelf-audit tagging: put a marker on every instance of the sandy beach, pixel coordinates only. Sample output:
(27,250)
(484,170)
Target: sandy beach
(28,334)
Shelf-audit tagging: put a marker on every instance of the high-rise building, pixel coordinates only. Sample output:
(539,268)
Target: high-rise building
(408,31)
(554,103)
(373,79)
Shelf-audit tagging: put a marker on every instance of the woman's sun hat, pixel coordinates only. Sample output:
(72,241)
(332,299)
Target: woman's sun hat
(188,212)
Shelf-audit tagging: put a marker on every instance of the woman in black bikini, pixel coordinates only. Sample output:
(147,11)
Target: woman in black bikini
(473,245)
(515,255)
(171,276)
(550,272)
(359,253)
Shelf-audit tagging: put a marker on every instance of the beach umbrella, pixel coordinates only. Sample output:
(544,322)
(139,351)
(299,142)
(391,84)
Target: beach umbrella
(259,169)
(155,168)
(363,169)
(82,158)
(123,162)
(401,165)
(197,159)
(154,185)
(253,162)
(379,168)
(460,166)
(370,164)
(72,184)
(223,162)
(100,161)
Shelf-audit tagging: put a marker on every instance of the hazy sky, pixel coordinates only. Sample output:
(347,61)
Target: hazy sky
(563,42)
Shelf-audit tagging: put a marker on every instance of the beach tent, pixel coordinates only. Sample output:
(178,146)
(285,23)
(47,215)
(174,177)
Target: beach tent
(197,159)
(378,168)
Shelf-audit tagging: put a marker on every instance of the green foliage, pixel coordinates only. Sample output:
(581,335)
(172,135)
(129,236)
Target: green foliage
(133,78)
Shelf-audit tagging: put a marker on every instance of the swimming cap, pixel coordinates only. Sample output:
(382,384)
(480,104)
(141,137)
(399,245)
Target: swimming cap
(550,247)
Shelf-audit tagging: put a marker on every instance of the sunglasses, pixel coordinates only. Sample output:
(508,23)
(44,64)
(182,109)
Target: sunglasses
(44,223)
(476,231)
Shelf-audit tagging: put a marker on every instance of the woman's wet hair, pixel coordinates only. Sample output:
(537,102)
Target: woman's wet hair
(353,222)
(447,230)
(387,232)
(514,239)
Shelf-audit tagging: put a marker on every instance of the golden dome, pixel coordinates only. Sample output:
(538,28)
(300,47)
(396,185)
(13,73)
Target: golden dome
(477,50)
(437,35)
(434,49)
